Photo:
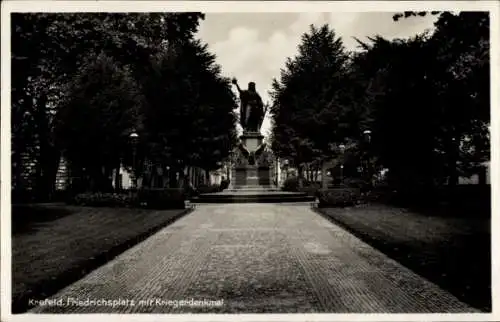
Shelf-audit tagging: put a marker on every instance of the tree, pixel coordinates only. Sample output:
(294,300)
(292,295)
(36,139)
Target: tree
(427,139)
(48,49)
(425,99)
(189,117)
(94,123)
(461,78)
(309,100)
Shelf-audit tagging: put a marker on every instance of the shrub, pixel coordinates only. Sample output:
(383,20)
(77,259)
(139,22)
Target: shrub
(359,183)
(209,188)
(190,192)
(338,197)
(20,196)
(168,198)
(150,198)
(224,184)
(311,189)
(291,184)
(99,199)
(24,196)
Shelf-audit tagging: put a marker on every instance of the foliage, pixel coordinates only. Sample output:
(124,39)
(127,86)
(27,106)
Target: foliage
(99,199)
(82,82)
(190,108)
(291,184)
(209,188)
(49,48)
(172,198)
(310,189)
(149,198)
(224,184)
(101,94)
(338,197)
(425,100)
(309,99)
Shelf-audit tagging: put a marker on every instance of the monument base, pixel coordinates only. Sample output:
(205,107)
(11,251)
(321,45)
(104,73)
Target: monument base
(252,140)
(249,172)
(251,176)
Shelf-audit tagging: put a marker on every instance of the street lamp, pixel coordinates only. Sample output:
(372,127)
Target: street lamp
(134,138)
(342,148)
(367,138)
(168,176)
(367,135)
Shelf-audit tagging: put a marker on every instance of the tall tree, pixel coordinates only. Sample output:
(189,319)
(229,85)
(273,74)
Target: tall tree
(48,49)
(460,76)
(189,117)
(309,100)
(94,123)
(428,99)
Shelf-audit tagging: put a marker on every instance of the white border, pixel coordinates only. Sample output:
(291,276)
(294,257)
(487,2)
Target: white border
(243,6)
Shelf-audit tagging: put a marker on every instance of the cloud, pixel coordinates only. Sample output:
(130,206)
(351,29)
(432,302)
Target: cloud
(251,54)
(368,24)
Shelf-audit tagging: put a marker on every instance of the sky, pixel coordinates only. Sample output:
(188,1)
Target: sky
(255,46)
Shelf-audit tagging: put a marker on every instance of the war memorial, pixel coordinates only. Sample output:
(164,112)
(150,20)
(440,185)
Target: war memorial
(252,164)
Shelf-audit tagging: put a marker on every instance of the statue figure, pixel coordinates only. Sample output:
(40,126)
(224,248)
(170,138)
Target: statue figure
(251,108)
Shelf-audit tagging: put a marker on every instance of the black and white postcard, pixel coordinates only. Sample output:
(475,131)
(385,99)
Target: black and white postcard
(253,161)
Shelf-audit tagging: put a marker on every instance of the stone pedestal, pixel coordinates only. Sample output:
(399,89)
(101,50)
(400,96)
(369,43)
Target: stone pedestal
(250,170)
(252,140)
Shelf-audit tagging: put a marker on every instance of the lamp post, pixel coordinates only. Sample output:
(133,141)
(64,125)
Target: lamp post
(134,138)
(367,138)
(342,148)
(168,176)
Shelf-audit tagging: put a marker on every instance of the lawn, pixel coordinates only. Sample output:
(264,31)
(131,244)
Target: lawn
(55,245)
(454,253)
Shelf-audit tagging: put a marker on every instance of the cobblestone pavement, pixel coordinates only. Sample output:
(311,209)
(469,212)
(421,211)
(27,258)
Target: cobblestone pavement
(253,258)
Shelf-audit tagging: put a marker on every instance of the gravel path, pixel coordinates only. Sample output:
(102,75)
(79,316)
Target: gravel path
(252,258)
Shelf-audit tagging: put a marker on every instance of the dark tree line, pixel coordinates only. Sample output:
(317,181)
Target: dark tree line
(83,82)
(425,100)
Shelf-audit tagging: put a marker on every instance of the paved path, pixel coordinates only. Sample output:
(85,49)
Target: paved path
(256,258)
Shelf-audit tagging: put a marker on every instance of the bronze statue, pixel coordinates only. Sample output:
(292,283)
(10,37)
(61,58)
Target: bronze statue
(251,108)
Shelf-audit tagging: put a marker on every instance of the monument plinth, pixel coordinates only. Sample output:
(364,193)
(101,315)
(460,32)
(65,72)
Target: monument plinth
(251,163)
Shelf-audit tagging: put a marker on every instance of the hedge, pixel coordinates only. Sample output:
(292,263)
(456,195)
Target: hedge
(171,198)
(338,197)
(209,188)
(291,184)
(100,199)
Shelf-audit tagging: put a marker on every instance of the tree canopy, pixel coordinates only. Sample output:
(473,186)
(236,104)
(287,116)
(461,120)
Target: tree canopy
(425,99)
(83,82)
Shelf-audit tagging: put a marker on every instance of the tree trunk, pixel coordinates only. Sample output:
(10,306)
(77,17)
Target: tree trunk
(324,178)
(181,182)
(453,171)
(207,177)
(300,175)
(189,177)
(118,182)
(173,178)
